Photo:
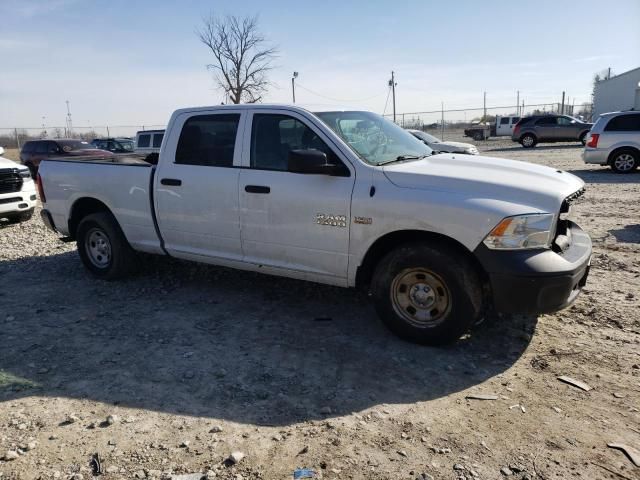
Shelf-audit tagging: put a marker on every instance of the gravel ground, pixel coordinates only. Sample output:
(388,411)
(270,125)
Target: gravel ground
(171,371)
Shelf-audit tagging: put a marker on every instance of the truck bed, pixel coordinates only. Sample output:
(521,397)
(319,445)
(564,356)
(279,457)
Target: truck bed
(68,182)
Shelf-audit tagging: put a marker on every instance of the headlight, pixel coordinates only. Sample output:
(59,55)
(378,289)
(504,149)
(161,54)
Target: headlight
(25,173)
(522,232)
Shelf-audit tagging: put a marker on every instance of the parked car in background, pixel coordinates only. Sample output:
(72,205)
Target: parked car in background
(17,191)
(446,147)
(34,151)
(345,198)
(614,140)
(114,145)
(501,127)
(148,143)
(530,131)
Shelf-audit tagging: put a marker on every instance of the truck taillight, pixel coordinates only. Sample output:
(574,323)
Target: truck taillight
(43,199)
(593,140)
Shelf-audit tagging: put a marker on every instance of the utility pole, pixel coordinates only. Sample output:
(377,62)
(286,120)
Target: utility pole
(442,120)
(293,85)
(484,117)
(562,107)
(392,84)
(69,125)
(518,104)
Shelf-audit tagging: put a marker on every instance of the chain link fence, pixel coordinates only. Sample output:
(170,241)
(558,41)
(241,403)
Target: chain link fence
(452,122)
(15,137)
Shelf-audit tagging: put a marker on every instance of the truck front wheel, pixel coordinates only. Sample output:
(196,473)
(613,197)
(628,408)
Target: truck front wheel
(427,295)
(103,248)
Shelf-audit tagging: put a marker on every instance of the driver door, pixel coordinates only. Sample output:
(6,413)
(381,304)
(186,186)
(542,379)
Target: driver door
(293,221)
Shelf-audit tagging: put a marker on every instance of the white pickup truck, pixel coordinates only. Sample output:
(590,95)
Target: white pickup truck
(17,191)
(338,197)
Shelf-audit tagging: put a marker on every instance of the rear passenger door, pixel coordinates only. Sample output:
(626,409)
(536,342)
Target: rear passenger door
(196,186)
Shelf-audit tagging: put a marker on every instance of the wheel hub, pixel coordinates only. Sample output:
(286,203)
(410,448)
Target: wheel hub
(98,248)
(421,297)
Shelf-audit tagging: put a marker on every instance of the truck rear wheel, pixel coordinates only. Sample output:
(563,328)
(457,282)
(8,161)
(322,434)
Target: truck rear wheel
(103,248)
(427,295)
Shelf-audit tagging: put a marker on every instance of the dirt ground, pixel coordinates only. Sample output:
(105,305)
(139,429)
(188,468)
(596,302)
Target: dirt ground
(171,371)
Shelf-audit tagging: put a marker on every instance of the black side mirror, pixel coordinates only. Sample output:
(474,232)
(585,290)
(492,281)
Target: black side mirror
(314,162)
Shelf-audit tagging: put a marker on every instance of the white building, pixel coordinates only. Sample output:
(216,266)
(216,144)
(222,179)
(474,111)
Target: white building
(621,92)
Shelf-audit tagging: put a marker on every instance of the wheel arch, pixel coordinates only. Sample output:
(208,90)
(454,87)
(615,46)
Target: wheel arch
(386,243)
(81,208)
(619,149)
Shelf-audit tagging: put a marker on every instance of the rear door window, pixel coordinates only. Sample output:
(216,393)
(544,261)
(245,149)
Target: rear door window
(28,147)
(504,121)
(515,120)
(144,140)
(157,140)
(41,147)
(208,140)
(624,123)
(547,121)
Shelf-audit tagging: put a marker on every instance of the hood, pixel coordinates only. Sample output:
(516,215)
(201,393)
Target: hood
(6,163)
(453,146)
(487,178)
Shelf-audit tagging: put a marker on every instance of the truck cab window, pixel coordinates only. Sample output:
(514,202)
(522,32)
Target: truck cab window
(144,140)
(504,121)
(273,136)
(157,140)
(208,140)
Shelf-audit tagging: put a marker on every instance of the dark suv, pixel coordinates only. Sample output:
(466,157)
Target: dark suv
(34,151)
(535,129)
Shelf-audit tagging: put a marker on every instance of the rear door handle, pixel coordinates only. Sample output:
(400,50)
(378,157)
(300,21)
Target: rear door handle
(257,189)
(171,181)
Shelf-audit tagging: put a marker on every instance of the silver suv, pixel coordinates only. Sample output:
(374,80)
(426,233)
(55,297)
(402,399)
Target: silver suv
(615,140)
(535,129)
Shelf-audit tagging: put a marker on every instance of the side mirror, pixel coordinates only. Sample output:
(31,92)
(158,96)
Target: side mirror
(313,162)
(1,150)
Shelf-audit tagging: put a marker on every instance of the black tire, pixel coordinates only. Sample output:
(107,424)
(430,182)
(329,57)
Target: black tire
(583,138)
(110,260)
(21,217)
(478,136)
(33,170)
(450,287)
(528,140)
(625,160)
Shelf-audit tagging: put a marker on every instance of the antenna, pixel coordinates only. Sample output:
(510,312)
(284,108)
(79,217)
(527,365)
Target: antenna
(69,125)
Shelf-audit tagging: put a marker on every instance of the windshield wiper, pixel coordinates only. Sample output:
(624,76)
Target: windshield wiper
(402,158)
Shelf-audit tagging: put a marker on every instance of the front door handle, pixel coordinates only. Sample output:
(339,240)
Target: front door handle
(257,189)
(171,181)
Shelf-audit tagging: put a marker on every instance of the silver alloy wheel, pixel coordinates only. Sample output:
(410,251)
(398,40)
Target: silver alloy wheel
(98,247)
(527,140)
(624,162)
(420,297)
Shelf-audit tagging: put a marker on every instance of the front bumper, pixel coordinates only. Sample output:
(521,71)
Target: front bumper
(537,281)
(17,202)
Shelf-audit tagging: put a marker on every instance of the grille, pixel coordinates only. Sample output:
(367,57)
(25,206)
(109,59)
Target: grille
(10,180)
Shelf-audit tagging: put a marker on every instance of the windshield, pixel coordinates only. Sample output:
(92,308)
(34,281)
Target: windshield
(425,136)
(126,145)
(373,138)
(69,145)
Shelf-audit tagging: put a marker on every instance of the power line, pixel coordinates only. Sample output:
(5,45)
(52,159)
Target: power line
(336,99)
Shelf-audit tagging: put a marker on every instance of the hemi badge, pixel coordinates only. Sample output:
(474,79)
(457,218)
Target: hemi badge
(363,220)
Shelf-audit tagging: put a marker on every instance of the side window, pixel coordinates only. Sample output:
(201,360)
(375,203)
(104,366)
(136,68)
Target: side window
(28,147)
(564,121)
(504,121)
(274,136)
(624,123)
(546,121)
(157,140)
(514,120)
(52,147)
(208,140)
(41,147)
(144,140)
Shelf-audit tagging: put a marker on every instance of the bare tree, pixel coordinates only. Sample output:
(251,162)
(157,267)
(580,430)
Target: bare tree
(242,56)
